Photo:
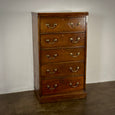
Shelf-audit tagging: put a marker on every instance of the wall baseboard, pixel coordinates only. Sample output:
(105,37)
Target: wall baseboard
(16,90)
(24,89)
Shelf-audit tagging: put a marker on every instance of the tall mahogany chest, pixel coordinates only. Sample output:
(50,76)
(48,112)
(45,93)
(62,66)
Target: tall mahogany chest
(59,48)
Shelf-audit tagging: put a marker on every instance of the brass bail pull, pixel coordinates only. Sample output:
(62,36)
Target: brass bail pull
(51,26)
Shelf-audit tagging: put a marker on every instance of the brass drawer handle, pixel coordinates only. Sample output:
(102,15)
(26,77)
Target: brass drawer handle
(49,57)
(77,54)
(72,24)
(51,72)
(74,71)
(54,41)
(51,88)
(78,23)
(74,85)
(78,39)
(51,26)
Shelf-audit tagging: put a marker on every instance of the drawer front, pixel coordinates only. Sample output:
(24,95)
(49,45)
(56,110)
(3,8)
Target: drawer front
(57,55)
(55,86)
(62,69)
(62,40)
(55,25)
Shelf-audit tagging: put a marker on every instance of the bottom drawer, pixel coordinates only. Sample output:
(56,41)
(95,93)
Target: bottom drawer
(55,86)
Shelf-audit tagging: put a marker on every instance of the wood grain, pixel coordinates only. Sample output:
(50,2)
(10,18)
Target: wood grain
(64,14)
(63,40)
(60,47)
(62,69)
(63,85)
(62,55)
(80,94)
(63,25)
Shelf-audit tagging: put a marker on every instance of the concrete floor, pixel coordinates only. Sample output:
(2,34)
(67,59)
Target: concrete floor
(100,101)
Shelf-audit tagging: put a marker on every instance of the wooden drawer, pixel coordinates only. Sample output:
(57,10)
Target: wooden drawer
(55,86)
(55,24)
(62,40)
(62,69)
(57,55)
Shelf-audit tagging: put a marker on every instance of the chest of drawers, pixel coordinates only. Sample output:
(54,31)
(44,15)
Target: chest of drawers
(59,48)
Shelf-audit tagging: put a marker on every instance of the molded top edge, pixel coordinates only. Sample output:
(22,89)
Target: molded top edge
(64,14)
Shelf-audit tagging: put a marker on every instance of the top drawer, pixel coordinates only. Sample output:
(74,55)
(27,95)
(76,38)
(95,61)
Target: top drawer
(56,25)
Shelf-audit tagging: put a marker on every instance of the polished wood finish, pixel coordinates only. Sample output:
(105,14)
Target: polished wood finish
(62,25)
(62,69)
(60,39)
(64,14)
(86,21)
(57,86)
(57,55)
(62,97)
